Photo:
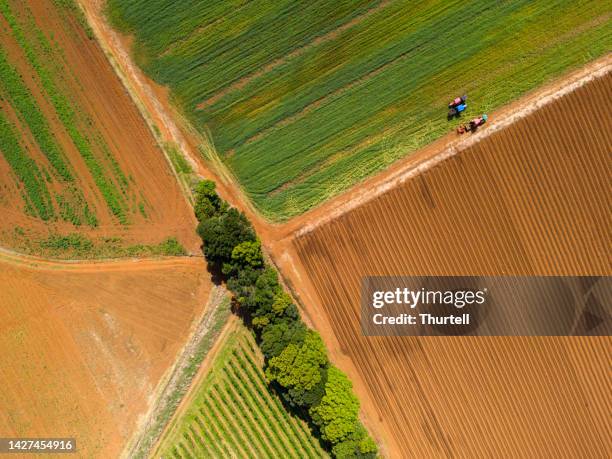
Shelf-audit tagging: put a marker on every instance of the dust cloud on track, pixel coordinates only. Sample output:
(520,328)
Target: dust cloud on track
(531,198)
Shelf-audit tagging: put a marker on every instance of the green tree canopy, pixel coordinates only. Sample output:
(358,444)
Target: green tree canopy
(298,368)
(247,254)
(338,413)
(278,336)
(358,445)
(281,302)
(222,233)
(207,201)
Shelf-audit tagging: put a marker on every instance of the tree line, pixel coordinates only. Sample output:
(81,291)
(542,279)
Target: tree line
(296,361)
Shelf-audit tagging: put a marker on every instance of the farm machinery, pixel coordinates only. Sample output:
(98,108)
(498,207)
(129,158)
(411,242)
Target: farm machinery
(473,124)
(456,106)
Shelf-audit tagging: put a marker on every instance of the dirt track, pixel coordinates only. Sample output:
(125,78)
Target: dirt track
(84,345)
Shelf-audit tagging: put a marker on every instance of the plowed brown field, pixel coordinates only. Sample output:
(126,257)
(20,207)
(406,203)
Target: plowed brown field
(100,98)
(532,198)
(85,345)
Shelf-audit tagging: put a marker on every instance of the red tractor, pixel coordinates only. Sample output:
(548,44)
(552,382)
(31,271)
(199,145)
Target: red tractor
(457,101)
(472,125)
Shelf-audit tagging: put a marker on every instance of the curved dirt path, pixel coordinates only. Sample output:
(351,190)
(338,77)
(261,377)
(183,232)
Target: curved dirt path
(107,265)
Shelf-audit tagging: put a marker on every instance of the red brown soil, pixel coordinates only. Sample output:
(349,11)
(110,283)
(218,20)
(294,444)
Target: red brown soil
(102,97)
(85,345)
(530,199)
(509,396)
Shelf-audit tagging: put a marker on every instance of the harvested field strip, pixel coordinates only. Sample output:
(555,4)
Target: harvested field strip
(532,198)
(234,413)
(38,200)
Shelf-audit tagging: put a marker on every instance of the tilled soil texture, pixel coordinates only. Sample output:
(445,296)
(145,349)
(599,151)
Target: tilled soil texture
(85,345)
(532,198)
(110,154)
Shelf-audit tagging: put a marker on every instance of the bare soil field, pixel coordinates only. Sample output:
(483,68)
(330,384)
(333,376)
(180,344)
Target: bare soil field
(531,198)
(85,345)
(112,125)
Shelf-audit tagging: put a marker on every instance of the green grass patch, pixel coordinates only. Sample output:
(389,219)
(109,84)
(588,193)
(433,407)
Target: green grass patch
(329,109)
(79,246)
(180,164)
(244,413)
(74,243)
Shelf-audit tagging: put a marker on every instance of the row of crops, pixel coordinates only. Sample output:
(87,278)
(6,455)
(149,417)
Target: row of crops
(300,113)
(33,72)
(234,414)
(37,198)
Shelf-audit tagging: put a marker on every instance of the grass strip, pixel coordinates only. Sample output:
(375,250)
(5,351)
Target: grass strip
(27,108)
(26,170)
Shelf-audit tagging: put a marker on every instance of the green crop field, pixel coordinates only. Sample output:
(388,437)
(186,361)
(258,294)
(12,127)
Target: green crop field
(305,98)
(233,413)
(34,74)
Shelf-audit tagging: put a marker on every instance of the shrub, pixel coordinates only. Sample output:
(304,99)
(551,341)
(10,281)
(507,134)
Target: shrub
(171,247)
